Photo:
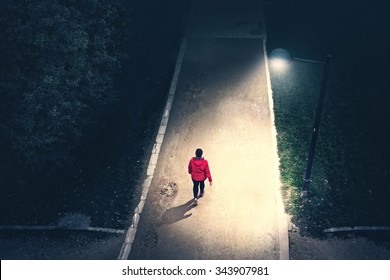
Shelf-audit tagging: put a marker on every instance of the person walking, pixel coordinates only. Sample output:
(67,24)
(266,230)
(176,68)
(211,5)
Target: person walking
(199,169)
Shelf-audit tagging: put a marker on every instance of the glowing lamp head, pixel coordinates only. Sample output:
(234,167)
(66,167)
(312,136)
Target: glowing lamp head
(280,59)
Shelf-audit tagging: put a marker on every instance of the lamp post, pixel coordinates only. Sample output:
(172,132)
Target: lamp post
(282,56)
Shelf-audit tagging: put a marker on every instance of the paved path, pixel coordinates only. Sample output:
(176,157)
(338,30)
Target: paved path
(221,104)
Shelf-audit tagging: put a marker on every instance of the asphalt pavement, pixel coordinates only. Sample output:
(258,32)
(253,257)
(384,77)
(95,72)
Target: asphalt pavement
(219,101)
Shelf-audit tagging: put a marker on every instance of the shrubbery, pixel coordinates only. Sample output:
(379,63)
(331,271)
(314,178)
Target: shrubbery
(59,60)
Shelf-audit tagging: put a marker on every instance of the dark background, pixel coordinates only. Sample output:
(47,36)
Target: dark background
(86,156)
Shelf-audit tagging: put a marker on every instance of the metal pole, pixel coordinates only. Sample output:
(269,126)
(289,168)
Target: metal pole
(306,180)
(309,61)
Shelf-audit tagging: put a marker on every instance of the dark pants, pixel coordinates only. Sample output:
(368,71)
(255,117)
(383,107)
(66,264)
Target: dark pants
(196,187)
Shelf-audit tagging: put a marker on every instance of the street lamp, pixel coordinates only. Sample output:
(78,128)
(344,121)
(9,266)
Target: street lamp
(280,58)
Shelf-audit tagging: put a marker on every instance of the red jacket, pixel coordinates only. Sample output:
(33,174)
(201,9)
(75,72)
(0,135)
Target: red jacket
(199,169)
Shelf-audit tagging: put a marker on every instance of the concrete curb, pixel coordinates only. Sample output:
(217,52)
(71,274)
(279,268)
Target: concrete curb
(284,253)
(131,232)
(96,229)
(357,228)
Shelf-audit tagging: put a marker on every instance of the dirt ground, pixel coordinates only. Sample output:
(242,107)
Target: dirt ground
(374,246)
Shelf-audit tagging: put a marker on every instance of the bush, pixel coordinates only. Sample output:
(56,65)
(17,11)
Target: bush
(59,61)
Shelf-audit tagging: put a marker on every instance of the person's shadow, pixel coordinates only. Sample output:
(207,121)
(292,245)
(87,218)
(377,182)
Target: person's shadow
(176,214)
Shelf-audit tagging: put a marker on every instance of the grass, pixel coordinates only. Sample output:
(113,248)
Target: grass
(350,175)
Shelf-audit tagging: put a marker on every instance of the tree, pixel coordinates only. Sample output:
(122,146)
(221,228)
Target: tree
(59,61)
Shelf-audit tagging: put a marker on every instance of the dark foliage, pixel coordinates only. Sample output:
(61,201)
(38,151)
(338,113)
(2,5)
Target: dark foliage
(58,65)
(111,153)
